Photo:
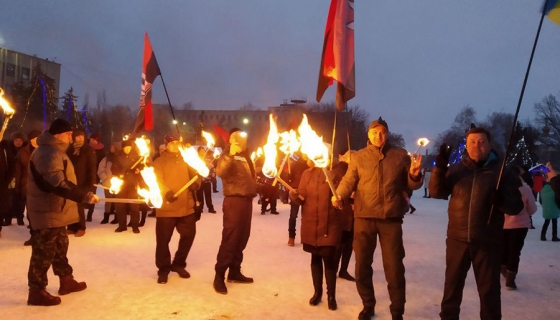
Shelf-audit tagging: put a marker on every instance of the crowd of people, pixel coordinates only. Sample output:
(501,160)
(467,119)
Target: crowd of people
(54,174)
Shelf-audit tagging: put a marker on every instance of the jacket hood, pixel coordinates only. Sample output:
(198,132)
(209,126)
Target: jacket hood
(47,139)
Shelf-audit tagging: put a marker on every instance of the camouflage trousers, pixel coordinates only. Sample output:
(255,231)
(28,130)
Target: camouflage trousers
(48,247)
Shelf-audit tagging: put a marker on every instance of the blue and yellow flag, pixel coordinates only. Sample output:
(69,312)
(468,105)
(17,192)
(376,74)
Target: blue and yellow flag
(552,10)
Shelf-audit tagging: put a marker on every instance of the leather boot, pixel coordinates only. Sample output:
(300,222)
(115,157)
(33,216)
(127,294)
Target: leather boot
(236,276)
(331,302)
(366,313)
(40,297)
(317,276)
(510,280)
(291,242)
(143,218)
(115,220)
(105,218)
(89,216)
(219,284)
(330,277)
(69,285)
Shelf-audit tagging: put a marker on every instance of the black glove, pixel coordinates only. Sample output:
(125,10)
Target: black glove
(169,196)
(442,158)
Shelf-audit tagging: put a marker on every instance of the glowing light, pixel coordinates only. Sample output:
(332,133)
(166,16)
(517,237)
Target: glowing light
(312,145)
(190,156)
(175,122)
(152,195)
(143,146)
(422,142)
(289,143)
(217,153)
(116,185)
(270,151)
(245,121)
(256,154)
(5,104)
(210,142)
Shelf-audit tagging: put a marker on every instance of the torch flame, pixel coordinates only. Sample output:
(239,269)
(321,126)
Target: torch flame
(116,185)
(152,195)
(422,142)
(190,156)
(5,104)
(143,147)
(270,152)
(209,139)
(289,143)
(217,153)
(312,145)
(256,154)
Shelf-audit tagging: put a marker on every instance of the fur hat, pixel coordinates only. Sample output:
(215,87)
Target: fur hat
(33,134)
(378,122)
(17,135)
(96,136)
(60,126)
(171,137)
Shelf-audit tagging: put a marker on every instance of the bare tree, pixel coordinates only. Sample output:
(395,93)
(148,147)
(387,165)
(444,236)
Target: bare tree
(454,135)
(548,116)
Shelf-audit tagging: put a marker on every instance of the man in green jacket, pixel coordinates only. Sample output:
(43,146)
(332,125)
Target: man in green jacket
(380,175)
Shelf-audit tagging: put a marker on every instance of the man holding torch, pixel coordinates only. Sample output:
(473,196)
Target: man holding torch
(51,206)
(177,212)
(380,174)
(236,170)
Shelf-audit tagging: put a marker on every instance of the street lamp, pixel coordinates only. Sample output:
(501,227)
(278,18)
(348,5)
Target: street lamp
(245,121)
(174,121)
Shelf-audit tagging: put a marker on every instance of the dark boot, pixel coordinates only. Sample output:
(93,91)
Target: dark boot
(89,216)
(162,277)
(366,313)
(330,277)
(181,272)
(219,284)
(510,280)
(143,218)
(236,276)
(503,270)
(105,218)
(115,220)
(543,235)
(69,285)
(555,232)
(317,276)
(40,297)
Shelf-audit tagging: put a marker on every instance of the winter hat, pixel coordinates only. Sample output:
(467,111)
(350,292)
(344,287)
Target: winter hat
(233,130)
(17,135)
(96,136)
(171,137)
(78,132)
(378,122)
(126,143)
(59,126)
(33,134)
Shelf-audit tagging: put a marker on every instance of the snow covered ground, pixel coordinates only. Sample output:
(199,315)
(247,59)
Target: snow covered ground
(121,275)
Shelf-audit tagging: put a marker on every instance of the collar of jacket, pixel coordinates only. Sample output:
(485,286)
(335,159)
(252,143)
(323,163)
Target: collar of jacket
(379,152)
(492,158)
(46,138)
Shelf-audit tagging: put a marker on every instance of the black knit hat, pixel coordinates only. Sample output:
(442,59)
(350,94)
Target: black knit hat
(126,143)
(233,130)
(171,137)
(59,126)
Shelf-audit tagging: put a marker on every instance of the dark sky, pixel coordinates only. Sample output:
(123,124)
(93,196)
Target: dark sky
(417,62)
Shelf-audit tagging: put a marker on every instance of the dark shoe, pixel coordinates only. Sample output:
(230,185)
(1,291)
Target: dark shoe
(274,212)
(162,277)
(366,313)
(114,221)
(291,242)
(316,298)
(345,275)
(6,223)
(181,272)
(89,216)
(129,224)
(120,229)
(219,284)
(555,239)
(532,226)
(27,242)
(80,233)
(332,302)
(397,317)
(543,237)
(211,211)
(20,222)
(69,285)
(503,270)
(238,277)
(135,230)
(262,212)
(152,214)
(412,209)
(215,191)
(40,297)
(510,280)
(105,218)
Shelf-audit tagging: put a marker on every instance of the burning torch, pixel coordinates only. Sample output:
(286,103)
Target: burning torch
(8,111)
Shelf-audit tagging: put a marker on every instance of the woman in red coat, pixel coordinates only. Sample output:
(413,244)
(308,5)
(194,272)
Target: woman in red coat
(320,232)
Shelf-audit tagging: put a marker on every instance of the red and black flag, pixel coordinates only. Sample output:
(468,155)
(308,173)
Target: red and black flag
(337,61)
(150,70)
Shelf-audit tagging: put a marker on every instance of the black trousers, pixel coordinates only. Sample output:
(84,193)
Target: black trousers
(204,194)
(48,247)
(294,209)
(165,226)
(235,234)
(80,225)
(317,262)
(344,250)
(513,242)
(485,259)
(554,227)
(389,231)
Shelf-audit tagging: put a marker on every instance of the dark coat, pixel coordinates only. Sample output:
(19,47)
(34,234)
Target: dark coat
(320,224)
(238,177)
(555,185)
(85,165)
(381,180)
(121,167)
(22,164)
(473,196)
(173,173)
(347,213)
(5,204)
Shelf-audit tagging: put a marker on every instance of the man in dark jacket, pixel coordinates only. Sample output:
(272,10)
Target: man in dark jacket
(380,175)
(16,205)
(5,204)
(85,164)
(236,170)
(99,149)
(297,167)
(176,212)
(51,206)
(476,219)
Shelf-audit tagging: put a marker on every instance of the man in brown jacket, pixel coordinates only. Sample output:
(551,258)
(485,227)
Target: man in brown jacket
(380,175)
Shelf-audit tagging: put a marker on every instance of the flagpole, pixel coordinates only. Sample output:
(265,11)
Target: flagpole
(520,101)
(169,102)
(333,136)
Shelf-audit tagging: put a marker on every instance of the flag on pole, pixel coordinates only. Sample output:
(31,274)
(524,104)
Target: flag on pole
(150,71)
(337,61)
(221,132)
(552,10)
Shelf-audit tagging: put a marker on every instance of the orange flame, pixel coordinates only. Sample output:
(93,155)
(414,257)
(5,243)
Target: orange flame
(289,143)
(116,185)
(256,154)
(209,139)
(190,156)
(422,142)
(312,145)
(270,152)
(143,147)
(152,194)
(5,105)
(217,153)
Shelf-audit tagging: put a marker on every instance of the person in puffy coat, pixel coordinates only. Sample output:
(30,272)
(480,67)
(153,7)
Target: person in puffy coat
(320,231)
(551,211)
